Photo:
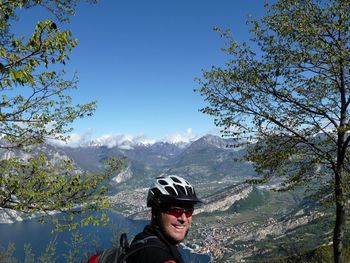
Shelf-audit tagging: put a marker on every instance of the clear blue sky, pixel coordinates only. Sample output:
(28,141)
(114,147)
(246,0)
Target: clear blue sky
(139,59)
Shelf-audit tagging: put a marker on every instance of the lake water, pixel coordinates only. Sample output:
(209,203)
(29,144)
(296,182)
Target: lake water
(39,235)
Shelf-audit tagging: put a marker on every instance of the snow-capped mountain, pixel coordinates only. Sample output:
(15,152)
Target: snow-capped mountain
(207,158)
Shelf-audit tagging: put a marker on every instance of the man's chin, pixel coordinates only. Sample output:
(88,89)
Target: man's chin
(177,237)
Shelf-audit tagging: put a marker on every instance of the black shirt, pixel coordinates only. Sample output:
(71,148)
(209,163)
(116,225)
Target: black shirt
(158,249)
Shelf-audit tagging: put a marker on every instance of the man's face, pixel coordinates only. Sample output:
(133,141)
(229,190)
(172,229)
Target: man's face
(176,221)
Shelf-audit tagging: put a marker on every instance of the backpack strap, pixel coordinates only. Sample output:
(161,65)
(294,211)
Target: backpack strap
(121,254)
(141,244)
(144,240)
(113,254)
(109,255)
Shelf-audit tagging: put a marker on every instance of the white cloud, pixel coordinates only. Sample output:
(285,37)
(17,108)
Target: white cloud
(124,141)
(110,140)
(186,137)
(74,139)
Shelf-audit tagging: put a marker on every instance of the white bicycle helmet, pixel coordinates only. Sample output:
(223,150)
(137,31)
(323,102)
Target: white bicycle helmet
(171,189)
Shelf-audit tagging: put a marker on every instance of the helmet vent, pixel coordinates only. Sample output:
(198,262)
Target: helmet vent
(162,182)
(175,180)
(170,190)
(189,190)
(181,189)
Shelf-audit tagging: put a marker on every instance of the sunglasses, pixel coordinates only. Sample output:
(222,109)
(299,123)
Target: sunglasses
(177,212)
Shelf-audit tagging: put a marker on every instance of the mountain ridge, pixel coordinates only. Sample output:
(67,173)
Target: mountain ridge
(207,157)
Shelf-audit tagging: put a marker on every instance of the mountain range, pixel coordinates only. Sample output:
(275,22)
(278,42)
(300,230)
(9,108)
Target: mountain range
(205,159)
(237,221)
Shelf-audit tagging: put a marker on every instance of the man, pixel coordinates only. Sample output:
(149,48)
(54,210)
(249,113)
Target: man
(172,200)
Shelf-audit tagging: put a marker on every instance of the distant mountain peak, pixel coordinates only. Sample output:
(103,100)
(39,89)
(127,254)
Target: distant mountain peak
(122,142)
(210,140)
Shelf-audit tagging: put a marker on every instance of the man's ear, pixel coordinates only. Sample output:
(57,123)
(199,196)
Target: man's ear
(155,214)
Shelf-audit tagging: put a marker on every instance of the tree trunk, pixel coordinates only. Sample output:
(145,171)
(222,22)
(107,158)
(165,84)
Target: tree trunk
(338,234)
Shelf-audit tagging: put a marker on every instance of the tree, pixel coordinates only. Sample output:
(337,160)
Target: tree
(289,97)
(34,107)
(33,104)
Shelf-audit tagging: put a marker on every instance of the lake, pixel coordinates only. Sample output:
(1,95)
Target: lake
(39,235)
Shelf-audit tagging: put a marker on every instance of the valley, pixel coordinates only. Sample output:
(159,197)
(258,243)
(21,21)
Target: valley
(233,223)
(238,222)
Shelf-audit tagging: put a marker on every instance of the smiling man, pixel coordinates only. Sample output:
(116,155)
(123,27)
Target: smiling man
(172,200)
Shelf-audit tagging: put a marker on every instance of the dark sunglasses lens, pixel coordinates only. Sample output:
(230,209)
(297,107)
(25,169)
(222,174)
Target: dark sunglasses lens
(188,213)
(178,212)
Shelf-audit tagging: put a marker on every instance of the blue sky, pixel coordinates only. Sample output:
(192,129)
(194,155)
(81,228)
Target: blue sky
(139,59)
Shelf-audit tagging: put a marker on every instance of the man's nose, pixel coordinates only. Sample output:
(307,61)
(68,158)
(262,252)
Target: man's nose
(183,217)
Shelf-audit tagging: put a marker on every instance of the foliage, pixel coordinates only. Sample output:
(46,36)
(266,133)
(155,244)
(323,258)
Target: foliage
(286,98)
(39,185)
(290,99)
(49,255)
(78,248)
(35,107)
(321,254)
(29,255)
(6,254)
(33,100)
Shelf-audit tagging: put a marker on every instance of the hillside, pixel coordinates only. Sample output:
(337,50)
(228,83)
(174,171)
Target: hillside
(206,160)
(237,221)
(322,254)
